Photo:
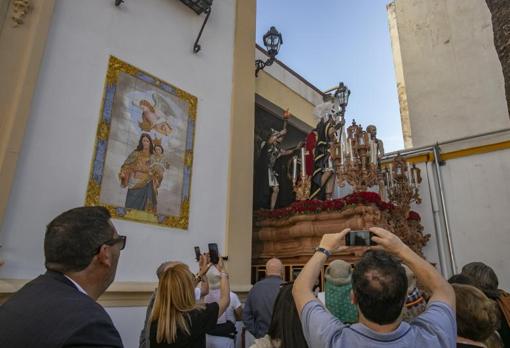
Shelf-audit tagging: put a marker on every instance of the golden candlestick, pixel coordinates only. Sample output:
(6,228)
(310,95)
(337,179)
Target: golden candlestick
(357,168)
(302,188)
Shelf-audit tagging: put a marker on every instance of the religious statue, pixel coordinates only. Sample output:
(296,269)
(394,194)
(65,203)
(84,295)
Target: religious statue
(326,138)
(272,149)
(372,131)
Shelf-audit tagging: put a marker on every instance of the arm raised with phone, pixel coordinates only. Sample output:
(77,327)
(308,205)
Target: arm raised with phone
(426,274)
(224,301)
(204,264)
(302,291)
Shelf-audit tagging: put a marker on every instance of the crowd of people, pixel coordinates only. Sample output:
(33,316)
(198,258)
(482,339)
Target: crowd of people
(391,297)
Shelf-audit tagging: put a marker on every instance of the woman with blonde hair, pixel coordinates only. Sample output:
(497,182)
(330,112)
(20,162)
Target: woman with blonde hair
(176,319)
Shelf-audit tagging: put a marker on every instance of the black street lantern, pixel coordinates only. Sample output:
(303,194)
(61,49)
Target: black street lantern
(343,94)
(199,6)
(272,40)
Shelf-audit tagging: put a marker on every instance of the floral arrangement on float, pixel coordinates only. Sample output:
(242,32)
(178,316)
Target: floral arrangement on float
(317,206)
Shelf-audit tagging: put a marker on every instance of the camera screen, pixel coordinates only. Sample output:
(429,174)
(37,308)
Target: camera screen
(358,238)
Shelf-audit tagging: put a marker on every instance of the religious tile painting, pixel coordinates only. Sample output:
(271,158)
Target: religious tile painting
(143,154)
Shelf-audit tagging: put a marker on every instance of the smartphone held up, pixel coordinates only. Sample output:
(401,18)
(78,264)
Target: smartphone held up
(359,238)
(213,253)
(197,253)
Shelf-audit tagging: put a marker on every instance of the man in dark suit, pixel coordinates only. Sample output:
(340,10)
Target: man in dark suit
(59,308)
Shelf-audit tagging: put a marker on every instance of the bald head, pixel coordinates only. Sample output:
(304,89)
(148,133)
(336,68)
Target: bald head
(274,267)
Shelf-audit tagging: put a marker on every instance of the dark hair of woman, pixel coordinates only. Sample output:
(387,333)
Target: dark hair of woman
(140,143)
(460,279)
(483,277)
(285,324)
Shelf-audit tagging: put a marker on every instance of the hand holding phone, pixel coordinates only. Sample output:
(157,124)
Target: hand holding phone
(359,238)
(197,253)
(213,253)
(334,241)
(388,241)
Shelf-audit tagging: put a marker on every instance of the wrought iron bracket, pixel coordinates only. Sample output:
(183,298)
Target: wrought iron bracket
(260,64)
(196,46)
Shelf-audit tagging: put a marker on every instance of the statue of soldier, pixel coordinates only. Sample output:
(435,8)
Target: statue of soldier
(266,170)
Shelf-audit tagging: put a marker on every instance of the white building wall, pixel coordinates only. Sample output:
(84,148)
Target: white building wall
(53,168)
(477,198)
(478,201)
(453,77)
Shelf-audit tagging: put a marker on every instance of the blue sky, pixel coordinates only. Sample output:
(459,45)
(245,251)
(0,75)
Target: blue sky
(328,41)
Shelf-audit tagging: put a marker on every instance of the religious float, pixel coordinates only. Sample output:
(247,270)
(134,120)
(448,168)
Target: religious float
(334,159)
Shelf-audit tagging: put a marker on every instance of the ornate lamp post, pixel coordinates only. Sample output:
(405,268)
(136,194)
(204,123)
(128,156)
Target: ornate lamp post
(340,100)
(272,40)
(342,93)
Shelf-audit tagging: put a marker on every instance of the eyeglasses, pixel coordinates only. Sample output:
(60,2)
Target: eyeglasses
(119,239)
(113,241)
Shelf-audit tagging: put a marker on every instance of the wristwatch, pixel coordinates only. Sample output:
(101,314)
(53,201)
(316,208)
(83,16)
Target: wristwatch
(324,251)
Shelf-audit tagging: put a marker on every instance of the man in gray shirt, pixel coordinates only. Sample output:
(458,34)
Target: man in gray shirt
(259,304)
(379,291)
